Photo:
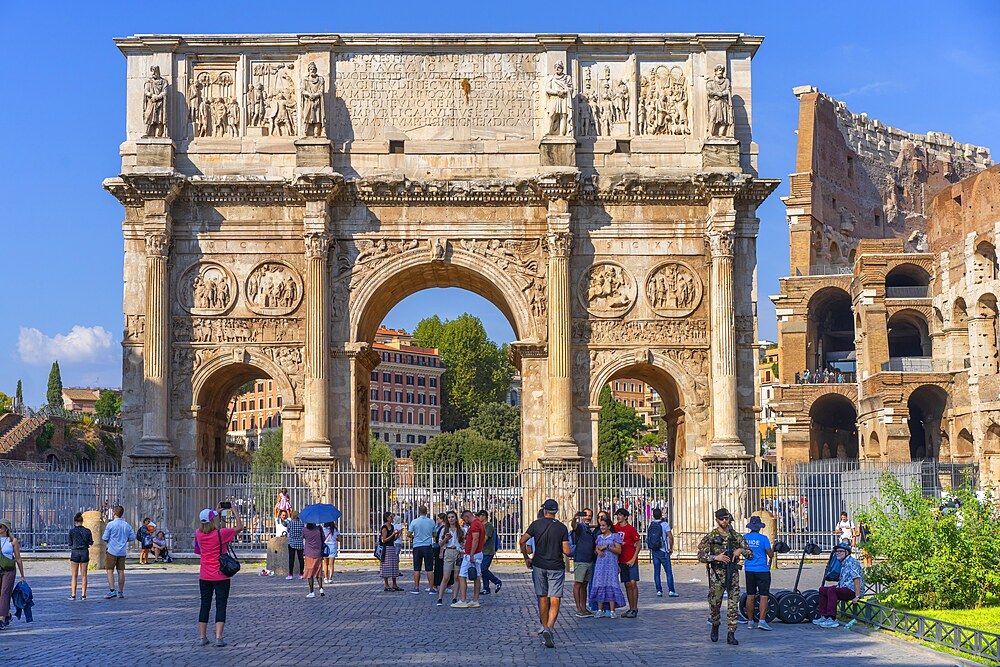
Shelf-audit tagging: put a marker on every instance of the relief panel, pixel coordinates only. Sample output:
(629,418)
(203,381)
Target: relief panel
(664,99)
(604,103)
(273,288)
(213,101)
(271,100)
(206,288)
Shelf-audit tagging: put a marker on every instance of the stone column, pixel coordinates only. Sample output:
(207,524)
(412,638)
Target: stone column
(725,438)
(156,349)
(559,442)
(316,442)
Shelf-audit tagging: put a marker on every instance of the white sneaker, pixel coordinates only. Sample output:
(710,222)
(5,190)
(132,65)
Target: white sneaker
(818,620)
(764,626)
(311,595)
(831,623)
(460,605)
(673,594)
(289,578)
(321,593)
(610,614)
(659,594)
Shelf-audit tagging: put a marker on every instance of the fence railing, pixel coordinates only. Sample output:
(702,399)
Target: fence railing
(915,365)
(806,500)
(825,270)
(956,637)
(908,292)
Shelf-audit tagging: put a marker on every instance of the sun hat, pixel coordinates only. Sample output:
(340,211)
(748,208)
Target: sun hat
(755,523)
(6,522)
(206,515)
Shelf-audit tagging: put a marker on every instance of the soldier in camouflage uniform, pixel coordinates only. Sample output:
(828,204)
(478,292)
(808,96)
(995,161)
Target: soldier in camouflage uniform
(712,551)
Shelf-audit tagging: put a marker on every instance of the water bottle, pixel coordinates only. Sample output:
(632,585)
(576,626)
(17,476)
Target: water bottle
(850,624)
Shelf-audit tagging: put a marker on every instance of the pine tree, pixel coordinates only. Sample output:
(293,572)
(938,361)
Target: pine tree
(18,396)
(54,393)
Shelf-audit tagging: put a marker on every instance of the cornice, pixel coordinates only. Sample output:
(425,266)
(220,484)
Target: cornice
(318,186)
(136,188)
(239,190)
(397,190)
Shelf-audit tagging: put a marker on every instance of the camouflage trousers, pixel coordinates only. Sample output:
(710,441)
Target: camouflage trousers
(716,587)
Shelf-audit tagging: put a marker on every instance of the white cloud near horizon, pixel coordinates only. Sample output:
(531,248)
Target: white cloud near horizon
(874,88)
(81,344)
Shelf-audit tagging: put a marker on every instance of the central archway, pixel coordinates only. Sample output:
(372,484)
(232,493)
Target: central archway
(517,292)
(833,432)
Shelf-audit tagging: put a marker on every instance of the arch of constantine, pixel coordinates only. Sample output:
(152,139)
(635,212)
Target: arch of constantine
(283,193)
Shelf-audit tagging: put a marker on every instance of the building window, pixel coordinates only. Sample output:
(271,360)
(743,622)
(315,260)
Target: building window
(279,401)
(420,418)
(421,381)
(434,399)
(385,437)
(396,358)
(409,380)
(409,359)
(399,417)
(387,417)
(260,386)
(253,404)
(270,385)
(243,406)
(386,395)
(409,397)
(374,394)
(253,422)
(433,419)
(434,382)
(269,422)
(409,417)
(386,377)
(421,439)
(375,415)
(269,401)
(399,397)
(399,437)
(277,419)
(399,378)
(375,375)
(421,399)
(235,425)
(411,439)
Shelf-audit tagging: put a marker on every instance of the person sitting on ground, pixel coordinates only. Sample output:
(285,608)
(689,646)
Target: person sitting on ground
(160,550)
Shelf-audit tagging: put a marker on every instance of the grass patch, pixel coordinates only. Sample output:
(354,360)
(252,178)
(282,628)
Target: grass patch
(985,618)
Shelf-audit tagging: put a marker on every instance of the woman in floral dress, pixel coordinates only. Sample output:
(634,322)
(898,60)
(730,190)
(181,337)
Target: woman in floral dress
(606,589)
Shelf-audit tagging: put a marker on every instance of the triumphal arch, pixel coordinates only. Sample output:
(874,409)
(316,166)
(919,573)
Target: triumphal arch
(283,192)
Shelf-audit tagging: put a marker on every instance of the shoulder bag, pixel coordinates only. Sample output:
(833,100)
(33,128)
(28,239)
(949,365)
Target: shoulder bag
(6,564)
(228,563)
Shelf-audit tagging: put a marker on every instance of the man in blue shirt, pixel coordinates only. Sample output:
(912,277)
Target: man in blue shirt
(117,535)
(758,572)
(422,534)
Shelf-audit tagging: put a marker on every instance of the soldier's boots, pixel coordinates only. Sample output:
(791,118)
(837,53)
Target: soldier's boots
(731,639)
(715,633)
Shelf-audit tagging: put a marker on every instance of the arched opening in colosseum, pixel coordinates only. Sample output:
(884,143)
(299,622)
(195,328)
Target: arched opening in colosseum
(830,341)
(925,406)
(833,431)
(964,445)
(907,281)
(985,262)
(908,335)
(960,331)
(988,337)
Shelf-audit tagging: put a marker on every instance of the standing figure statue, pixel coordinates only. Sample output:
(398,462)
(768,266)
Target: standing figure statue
(312,103)
(720,104)
(558,87)
(154,104)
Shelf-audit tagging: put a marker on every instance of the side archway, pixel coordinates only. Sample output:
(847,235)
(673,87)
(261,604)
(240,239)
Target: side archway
(833,431)
(926,405)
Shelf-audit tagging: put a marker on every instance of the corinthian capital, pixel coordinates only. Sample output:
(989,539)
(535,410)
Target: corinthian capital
(157,245)
(721,243)
(317,245)
(560,243)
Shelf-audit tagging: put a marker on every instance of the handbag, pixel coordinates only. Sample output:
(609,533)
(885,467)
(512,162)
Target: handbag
(7,564)
(228,563)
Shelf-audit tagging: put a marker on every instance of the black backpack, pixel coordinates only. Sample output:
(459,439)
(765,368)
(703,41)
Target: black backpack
(654,536)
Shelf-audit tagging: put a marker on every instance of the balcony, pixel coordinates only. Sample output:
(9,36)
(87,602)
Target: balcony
(910,292)
(915,365)
(825,270)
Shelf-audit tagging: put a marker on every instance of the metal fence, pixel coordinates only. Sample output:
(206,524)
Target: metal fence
(806,500)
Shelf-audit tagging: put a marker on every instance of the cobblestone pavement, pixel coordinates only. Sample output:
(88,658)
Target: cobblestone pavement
(271,623)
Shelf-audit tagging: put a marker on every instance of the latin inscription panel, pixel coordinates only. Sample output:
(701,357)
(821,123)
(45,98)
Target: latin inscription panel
(428,96)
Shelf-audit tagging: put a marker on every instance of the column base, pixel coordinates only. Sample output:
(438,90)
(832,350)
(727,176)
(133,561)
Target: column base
(154,152)
(560,450)
(152,448)
(315,452)
(727,449)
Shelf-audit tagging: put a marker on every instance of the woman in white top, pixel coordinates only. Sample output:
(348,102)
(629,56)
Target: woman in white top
(331,538)
(451,551)
(10,562)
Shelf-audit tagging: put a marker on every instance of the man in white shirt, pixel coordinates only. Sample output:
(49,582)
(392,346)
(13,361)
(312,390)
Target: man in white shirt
(845,530)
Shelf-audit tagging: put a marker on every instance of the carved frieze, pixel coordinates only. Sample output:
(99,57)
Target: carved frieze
(663,107)
(273,288)
(288,358)
(521,259)
(429,93)
(237,329)
(604,105)
(206,288)
(374,253)
(607,289)
(673,289)
(135,329)
(689,331)
(271,99)
(213,101)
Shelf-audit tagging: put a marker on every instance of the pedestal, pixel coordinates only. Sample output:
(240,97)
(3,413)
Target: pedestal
(728,481)
(154,152)
(277,555)
(721,154)
(94,521)
(557,152)
(313,153)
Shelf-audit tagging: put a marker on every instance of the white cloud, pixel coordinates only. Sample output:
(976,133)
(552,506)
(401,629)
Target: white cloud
(874,88)
(81,344)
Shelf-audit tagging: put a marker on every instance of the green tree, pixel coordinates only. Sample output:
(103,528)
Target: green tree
(270,450)
(379,454)
(18,395)
(617,425)
(463,448)
(476,370)
(108,405)
(498,421)
(54,393)
(5,402)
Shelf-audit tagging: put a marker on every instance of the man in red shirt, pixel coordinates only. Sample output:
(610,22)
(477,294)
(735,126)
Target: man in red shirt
(472,563)
(628,560)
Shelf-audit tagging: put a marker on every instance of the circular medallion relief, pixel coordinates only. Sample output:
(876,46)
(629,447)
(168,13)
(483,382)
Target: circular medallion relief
(607,290)
(207,288)
(273,288)
(673,289)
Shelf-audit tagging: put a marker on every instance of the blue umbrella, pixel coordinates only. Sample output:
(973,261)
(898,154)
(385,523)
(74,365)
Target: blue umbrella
(319,513)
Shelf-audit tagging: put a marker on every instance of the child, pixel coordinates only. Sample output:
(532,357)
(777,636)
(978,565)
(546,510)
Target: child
(284,503)
(331,536)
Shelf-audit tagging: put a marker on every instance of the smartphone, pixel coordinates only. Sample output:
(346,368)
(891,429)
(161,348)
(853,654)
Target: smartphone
(226,508)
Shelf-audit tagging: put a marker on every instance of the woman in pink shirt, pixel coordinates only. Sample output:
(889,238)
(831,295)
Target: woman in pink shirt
(210,542)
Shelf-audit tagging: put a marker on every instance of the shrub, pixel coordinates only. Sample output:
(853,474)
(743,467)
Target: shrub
(931,555)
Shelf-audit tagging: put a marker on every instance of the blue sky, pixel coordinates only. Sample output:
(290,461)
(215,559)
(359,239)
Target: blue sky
(917,65)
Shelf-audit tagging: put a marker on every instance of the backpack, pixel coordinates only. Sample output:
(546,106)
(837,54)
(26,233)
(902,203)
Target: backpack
(654,536)
(572,546)
(833,568)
